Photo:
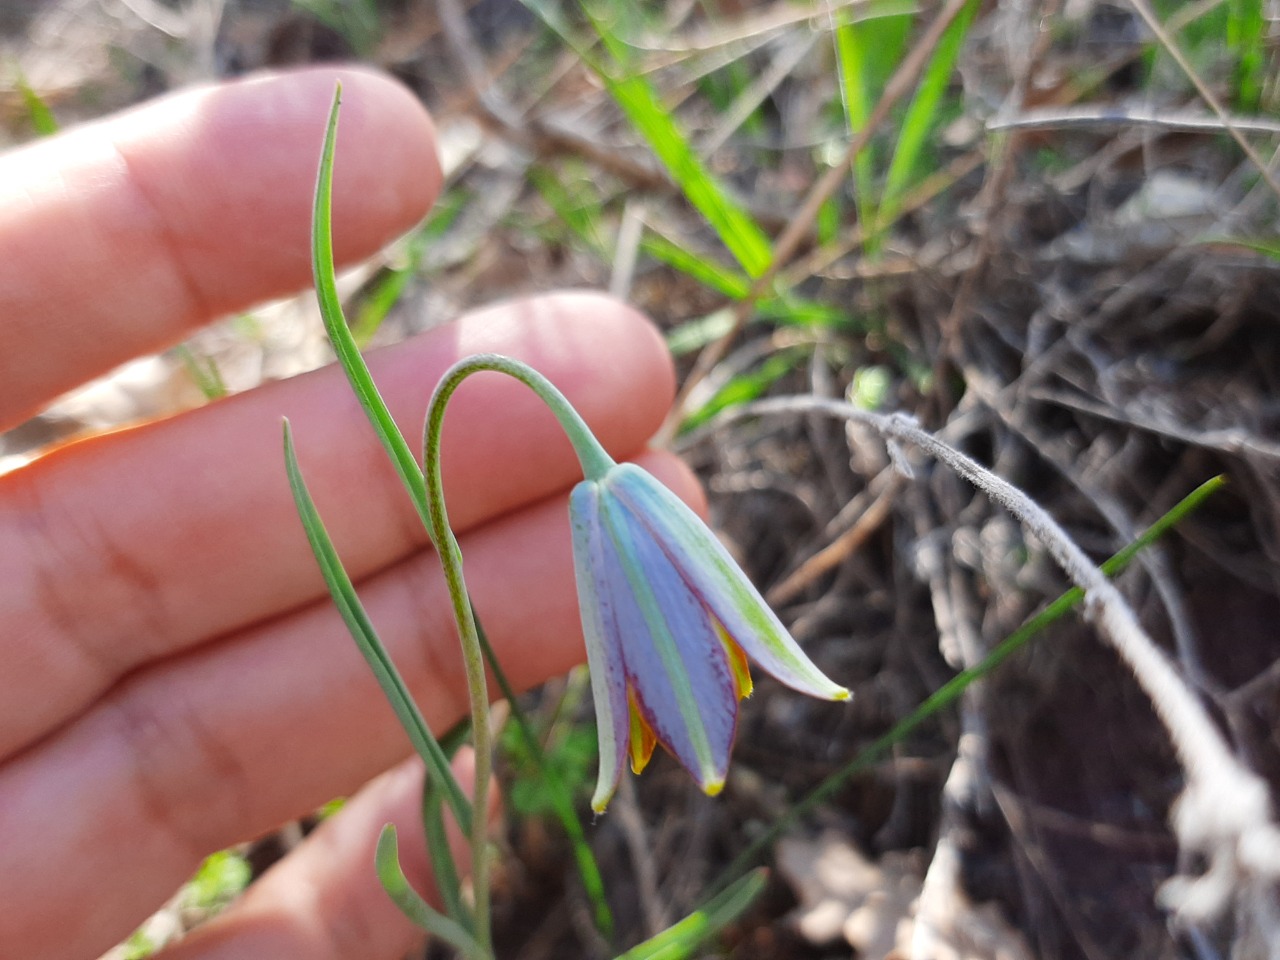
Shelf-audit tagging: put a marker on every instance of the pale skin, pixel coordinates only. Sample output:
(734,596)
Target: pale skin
(173,678)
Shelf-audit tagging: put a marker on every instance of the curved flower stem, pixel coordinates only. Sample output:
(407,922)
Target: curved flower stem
(595,462)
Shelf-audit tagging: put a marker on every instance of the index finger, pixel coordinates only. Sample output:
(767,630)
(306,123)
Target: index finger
(119,236)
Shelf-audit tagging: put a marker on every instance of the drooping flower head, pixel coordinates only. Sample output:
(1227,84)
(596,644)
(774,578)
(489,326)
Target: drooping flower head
(670,621)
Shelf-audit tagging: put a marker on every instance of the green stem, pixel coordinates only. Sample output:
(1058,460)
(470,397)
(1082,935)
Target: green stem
(595,463)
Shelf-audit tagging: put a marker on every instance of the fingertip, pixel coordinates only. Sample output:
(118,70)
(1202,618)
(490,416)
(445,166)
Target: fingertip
(238,161)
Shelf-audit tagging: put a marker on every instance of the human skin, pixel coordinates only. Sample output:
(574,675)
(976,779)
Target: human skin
(173,677)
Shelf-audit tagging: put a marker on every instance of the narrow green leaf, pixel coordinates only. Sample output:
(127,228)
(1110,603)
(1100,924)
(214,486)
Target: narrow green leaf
(203,371)
(639,102)
(682,939)
(366,638)
(747,386)
(1246,42)
(706,271)
(42,118)
(951,691)
(696,334)
(411,904)
(335,325)
(923,114)
(443,865)
(737,229)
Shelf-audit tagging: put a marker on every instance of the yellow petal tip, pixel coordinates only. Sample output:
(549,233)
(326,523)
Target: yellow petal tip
(713,788)
(841,694)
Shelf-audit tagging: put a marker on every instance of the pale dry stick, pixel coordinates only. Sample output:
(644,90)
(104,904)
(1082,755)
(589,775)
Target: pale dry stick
(1099,115)
(1148,15)
(799,226)
(1224,812)
(627,249)
(636,835)
(758,23)
(746,103)
(968,784)
(843,546)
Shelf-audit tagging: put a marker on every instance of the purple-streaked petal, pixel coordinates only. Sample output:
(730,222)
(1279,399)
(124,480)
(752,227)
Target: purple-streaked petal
(715,580)
(599,628)
(676,665)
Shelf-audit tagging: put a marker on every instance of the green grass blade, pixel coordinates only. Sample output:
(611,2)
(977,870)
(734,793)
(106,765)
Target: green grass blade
(682,938)
(442,863)
(722,279)
(746,386)
(951,691)
(922,116)
(1246,42)
(386,292)
(335,325)
(866,52)
(203,371)
(639,102)
(737,229)
(42,119)
(411,904)
(375,654)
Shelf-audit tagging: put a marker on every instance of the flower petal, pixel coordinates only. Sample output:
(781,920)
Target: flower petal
(643,739)
(676,666)
(599,628)
(716,580)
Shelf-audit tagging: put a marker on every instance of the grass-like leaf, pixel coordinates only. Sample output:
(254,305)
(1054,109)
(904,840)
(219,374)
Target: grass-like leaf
(411,904)
(1246,40)
(38,112)
(682,938)
(640,103)
(923,114)
(375,654)
(335,325)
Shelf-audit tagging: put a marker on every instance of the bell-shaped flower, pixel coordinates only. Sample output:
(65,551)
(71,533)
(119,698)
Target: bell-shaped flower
(670,620)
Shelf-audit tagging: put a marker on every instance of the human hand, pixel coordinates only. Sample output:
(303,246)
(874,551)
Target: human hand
(173,677)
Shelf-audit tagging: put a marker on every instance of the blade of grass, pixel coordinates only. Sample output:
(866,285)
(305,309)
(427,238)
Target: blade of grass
(682,938)
(386,292)
(411,904)
(1246,41)
(203,371)
(442,863)
(865,49)
(640,103)
(706,271)
(375,654)
(747,386)
(922,115)
(951,691)
(42,119)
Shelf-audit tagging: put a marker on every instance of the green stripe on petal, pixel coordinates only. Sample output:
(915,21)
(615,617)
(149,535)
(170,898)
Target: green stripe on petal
(675,665)
(718,582)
